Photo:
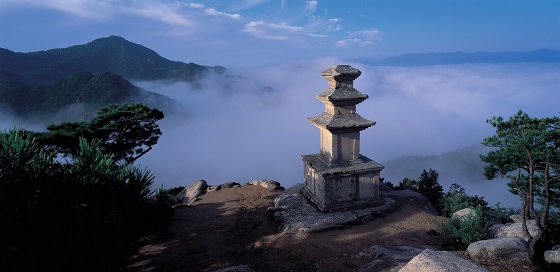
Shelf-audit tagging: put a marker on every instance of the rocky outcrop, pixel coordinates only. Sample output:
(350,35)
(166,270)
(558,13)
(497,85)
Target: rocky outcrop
(553,256)
(292,213)
(268,184)
(192,192)
(411,196)
(230,184)
(515,218)
(440,261)
(513,230)
(505,248)
(388,258)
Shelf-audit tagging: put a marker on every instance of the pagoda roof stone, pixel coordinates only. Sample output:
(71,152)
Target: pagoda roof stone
(342,96)
(352,122)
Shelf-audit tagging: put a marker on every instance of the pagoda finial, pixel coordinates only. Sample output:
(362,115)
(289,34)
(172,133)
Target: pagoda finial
(341,76)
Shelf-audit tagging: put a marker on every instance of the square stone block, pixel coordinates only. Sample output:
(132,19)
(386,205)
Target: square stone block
(341,186)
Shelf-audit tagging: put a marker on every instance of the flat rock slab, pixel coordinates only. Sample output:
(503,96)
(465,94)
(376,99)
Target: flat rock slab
(292,213)
(388,258)
(505,248)
(440,261)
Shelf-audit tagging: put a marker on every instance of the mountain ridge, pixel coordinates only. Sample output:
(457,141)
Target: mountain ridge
(428,59)
(112,54)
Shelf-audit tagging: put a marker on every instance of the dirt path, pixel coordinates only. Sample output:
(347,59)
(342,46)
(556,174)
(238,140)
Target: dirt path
(229,227)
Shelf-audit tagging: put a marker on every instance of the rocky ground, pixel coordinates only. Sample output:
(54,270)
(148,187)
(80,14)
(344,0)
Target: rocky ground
(230,227)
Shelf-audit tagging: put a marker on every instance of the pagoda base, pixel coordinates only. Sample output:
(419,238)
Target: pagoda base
(333,186)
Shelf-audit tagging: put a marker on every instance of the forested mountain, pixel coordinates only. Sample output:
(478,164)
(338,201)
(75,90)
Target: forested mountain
(77,96)
(37,85)
(427,59)
(112,54)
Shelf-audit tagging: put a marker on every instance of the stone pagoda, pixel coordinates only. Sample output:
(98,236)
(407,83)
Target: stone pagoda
(340,177)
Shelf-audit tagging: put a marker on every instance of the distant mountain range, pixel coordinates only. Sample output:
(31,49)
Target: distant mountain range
(428,59)
(112,54)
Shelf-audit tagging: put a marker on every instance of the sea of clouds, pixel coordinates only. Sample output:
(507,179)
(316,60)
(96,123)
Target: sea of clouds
(233,129)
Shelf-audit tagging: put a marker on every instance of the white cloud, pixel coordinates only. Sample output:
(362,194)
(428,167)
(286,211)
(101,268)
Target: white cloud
(311,7)
(167,13)
(97,10)
(334,24)
(247,4)
(214,12)
(195,5)
(364,37)
(271,31)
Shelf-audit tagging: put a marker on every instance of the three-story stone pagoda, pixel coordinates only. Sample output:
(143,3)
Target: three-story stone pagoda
(340,177)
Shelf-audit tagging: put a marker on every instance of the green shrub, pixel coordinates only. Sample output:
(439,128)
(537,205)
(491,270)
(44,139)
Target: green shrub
(456,199)
(467,230)
(85,213)
(427,185)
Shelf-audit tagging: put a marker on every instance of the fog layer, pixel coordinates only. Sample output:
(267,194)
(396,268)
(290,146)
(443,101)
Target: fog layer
(233,129)
(241,133)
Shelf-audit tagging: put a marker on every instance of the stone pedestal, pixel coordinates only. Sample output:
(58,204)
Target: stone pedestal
(339,176)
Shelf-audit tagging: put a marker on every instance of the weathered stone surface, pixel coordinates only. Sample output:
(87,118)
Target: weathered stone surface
(191,192)
(230,184)
(464,214)
(237,268)
(505,248)
(515,218)
(411,196)
(440,261)
(553,256)
(333,187)
(513,230)
(388,258)
(268,184)
(293,214)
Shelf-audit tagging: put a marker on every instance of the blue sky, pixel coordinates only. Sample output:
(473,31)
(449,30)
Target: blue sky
(252,32)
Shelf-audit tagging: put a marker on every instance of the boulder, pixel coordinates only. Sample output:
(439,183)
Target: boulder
(513,230)
(411,196)
(505,248)
(553,256)
(515,218)
(440,261)
(192,192)
(464,214)
(292,213)
(268,184)
(230,184)
(388,258)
